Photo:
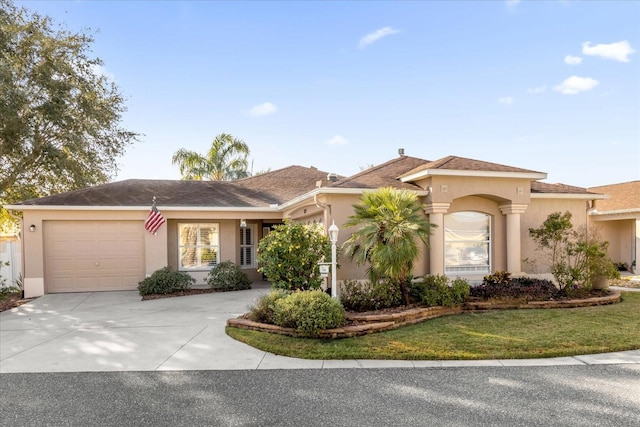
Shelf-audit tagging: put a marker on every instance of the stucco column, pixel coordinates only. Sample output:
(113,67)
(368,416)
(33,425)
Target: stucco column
(436,213)
(514,248)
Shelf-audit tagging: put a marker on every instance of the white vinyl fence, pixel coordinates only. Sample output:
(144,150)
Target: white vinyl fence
(10,252)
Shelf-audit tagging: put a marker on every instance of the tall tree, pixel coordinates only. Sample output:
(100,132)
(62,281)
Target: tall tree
(59,113)
(390,224)
(226,160)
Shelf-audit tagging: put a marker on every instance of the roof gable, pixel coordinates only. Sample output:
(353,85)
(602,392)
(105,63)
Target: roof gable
(455,163)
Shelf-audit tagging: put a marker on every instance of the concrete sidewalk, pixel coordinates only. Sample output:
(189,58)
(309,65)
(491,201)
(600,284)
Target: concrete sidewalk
(116,331)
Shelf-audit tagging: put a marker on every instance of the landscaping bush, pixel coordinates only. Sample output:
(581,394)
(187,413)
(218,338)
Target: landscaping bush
(227,276)
(290,253)
(365,296)
(529,288)
(165,281)
(309,311)
(435,291)
(498,278)
(263,310)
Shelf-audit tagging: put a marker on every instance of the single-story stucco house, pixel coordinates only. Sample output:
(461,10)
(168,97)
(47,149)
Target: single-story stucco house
(93,239)
(618,218)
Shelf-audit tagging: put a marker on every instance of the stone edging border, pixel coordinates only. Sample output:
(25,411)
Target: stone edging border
(372,323)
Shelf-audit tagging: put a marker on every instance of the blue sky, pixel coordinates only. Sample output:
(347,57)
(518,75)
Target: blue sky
(548,86)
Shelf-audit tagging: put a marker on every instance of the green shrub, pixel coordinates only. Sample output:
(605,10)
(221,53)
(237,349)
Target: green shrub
(498,278)
(227,276)
(436,291)
(165,281)
(460,290)
(263,310)
(290,253)
(365,296)
(309,311)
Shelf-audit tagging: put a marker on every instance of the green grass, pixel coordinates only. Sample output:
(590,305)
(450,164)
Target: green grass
(499,334)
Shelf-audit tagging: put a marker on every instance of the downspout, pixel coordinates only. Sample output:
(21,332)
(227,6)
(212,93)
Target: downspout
(325,208)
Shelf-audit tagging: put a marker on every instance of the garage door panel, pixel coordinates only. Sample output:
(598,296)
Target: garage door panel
(93,255)
(84,248)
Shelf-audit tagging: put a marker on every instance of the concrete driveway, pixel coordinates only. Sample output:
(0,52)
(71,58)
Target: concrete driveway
(116,331)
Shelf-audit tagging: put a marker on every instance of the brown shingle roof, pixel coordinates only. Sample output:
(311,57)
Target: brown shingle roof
(384,175)
(287,183)
(625,195)
(464,164)
(259,191)
(545,187)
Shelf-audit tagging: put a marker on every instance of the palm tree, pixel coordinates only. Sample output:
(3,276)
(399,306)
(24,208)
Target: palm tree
(226,160)
(390,223)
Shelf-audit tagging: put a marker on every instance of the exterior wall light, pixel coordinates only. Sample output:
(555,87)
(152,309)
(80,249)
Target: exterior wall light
(32,228)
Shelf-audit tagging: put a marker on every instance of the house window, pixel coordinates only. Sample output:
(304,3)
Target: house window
(247,246)
(199,246)
(467,242)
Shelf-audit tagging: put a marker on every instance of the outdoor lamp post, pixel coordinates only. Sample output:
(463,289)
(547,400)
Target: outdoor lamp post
(333,237)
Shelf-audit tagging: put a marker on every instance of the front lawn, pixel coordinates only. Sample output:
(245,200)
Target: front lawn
(500,334)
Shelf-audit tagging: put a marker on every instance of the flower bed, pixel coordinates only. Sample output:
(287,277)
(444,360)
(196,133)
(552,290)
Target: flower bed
(367,323)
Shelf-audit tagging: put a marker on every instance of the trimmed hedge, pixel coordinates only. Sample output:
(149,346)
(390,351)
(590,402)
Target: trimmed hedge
(165,281)
(308,311)
(227,276)
(436,291)
(366,296)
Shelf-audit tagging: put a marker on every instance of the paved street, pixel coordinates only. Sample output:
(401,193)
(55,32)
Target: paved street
(597,395)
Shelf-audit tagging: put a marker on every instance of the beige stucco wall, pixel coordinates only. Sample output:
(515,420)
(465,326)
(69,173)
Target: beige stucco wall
(160,249)
(620,234)
(495,197)
(536,214)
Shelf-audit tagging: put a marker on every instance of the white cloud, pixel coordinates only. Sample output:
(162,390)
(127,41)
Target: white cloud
(512,3)
(337,140)
(538,89)
(263,109)
(572,60)
(101,71)
(506,100)
(376,35)
(574,85)
(619,51)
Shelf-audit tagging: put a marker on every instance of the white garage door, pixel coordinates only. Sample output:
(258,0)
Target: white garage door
(93,255)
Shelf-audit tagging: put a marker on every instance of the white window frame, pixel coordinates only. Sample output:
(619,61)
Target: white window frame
(250,246)
(471,269)
(198,246)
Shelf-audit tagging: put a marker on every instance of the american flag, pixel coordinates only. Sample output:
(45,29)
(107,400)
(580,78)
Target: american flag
(154,220)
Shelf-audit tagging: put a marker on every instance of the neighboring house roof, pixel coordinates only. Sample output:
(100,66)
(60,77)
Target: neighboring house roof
(383,175)
(623,196)
(260,191)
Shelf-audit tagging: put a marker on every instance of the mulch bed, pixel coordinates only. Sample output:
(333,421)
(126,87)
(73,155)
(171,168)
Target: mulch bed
(11,301)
